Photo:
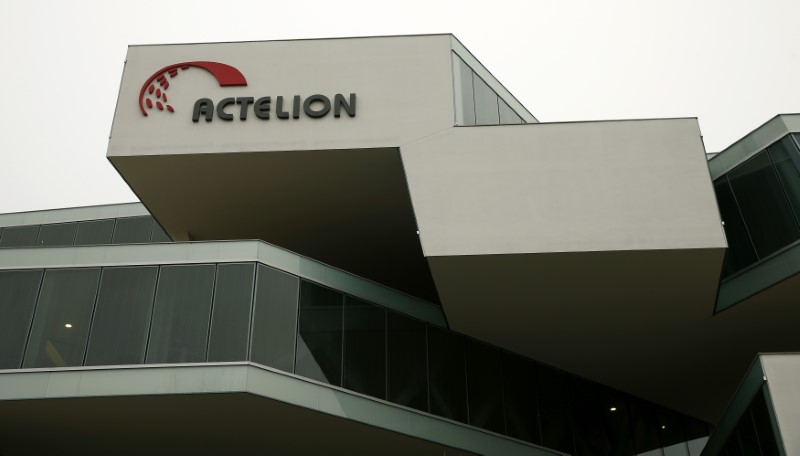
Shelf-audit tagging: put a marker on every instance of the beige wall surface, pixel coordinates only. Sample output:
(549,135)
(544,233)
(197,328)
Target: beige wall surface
(782,372)
(403,88)
(563,187)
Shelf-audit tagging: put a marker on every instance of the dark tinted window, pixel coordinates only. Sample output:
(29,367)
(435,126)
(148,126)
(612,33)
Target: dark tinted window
(95,232)
(181,314)
(319,342)
(554,409)
(740,253)
(19,236)
(275,319)
(617,421)
(159,235)
(485,386)
(230,317)
(763,205)
(786,158)
(57,234)
(447,383)
(18,291)
(133,230)
(521,404)
(589,415)
(364,347)
(763,423)
(644,425)
(63,312)
(122,316)
(670,427)
(407,361)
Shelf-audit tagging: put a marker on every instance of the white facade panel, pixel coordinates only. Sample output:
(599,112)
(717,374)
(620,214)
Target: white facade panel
(402,87)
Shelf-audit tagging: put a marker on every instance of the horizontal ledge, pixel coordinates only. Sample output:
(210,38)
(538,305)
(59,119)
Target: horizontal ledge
(221,252)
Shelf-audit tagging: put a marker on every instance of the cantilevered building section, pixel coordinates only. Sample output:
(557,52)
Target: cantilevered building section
(368,245)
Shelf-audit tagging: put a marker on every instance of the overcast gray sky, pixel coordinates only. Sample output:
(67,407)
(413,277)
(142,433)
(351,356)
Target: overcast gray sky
(733,64)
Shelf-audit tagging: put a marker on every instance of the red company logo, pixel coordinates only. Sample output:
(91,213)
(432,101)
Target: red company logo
(154,91)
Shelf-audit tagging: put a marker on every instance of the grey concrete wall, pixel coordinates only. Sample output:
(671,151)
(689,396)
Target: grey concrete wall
(403,87)
(782,372)
(563,187)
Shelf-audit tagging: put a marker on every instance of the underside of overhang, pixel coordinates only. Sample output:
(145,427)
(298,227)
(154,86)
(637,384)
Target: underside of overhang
(196,424)
(639,321)
(347,208)
(223,408)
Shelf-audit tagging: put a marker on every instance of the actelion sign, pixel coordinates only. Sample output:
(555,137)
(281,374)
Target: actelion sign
(314,106)
(153,97)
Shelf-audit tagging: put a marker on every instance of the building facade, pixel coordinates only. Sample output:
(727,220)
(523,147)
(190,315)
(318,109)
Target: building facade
(368,245)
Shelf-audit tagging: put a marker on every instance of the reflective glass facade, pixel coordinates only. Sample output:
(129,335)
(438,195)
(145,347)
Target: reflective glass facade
(476,103)
(759,202)
(195,313)
(123,230)
(754,433)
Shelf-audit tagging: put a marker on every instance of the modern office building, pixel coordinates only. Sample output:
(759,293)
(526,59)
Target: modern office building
(369,246)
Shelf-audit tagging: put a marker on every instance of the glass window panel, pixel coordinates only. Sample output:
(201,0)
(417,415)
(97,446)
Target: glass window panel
(670,427)
(364,347)
(57,234)
(740,252)
(521,403)
(486,107)
(407,361)
(230,315)
(644,425)
(122,317)
(507,115)
(786,158)
(484,386)
(763,205)
(159,235)
(732,447)
(763,424)
(466,102)
(694,428)
(18,291)
(63,313)
(617,422)
(133,230)
(179,331)
(319,345)
(747,435)
(275,319)
(95,232)
(447,383)
(589,413)
(553,409)
(19,236)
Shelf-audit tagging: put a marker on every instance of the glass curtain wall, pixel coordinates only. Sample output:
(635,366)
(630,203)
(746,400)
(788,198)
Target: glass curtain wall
(475,102)
(124,230)
(759,202)
(245,311)
(754,434)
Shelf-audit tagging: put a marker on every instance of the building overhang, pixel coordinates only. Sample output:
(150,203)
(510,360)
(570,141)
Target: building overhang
(595,247)
(213,409)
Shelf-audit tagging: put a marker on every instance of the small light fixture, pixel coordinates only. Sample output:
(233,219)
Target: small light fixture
(663,427)
(613,409)
(68,325)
